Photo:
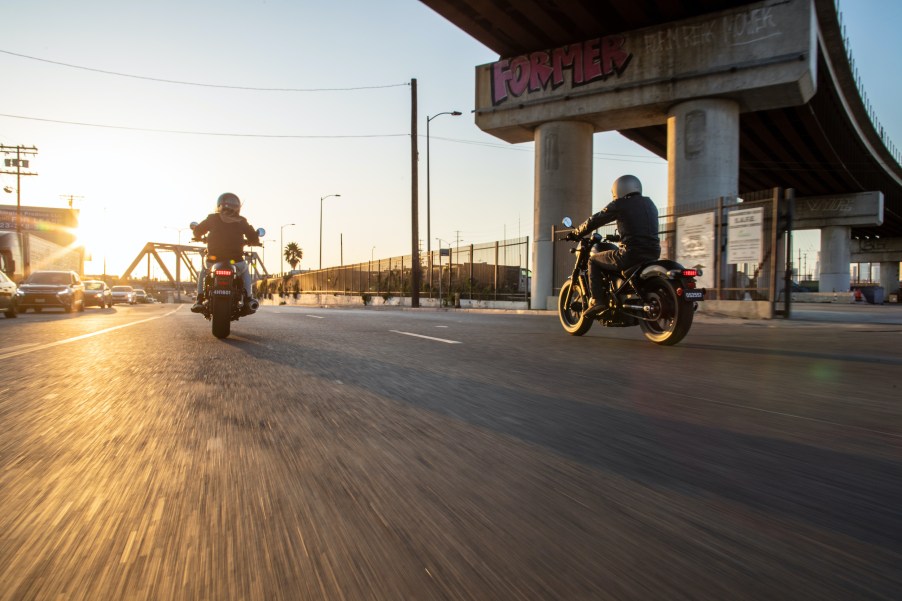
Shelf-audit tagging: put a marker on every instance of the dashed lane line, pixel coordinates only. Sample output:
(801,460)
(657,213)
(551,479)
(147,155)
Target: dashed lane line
(427,337)
(40,347)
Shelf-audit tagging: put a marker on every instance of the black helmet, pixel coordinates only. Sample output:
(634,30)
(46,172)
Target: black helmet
(626,185)
(228,203)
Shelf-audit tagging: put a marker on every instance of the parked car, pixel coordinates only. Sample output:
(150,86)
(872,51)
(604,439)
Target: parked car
(51,290)
(97,293)
(8,296)
(123,294)
(140,296)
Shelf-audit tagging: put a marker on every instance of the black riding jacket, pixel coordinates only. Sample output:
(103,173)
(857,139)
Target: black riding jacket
(227,236)
(637,222)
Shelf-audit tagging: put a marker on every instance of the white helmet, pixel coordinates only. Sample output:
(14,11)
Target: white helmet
(625,185)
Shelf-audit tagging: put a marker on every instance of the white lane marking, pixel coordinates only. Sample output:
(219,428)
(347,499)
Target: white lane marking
(315,316)
(17,347)
(420,336)
(441,326)
(82,337)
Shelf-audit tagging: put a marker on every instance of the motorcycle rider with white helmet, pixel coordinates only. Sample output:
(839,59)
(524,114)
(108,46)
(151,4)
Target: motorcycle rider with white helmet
(637,221)
(228,233)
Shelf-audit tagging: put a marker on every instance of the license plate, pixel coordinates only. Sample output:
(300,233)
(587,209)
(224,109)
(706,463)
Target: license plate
(694,295)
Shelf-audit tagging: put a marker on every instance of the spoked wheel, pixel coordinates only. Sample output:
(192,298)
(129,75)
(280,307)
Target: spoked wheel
(221,316)
(570,308)
(669,320)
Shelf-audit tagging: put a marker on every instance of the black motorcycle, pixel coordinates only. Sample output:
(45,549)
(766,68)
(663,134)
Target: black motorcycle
(225,299)
(659,296)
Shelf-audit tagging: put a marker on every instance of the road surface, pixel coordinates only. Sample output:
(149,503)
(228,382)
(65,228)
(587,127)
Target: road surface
(362,454)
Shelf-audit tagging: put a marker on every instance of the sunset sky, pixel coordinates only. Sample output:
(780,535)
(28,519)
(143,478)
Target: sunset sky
(146,112)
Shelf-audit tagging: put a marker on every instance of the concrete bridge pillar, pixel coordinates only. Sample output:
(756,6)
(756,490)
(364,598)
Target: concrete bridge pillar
(835,252)
(889,277)
(563,187)
(702,151)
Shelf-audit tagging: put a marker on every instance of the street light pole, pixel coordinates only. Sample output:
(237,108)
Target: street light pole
(282,250)
(428,207)
(439,240)
(322,198)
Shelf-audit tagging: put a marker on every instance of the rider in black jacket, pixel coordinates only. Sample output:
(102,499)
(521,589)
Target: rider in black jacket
(228,233)
(637,222)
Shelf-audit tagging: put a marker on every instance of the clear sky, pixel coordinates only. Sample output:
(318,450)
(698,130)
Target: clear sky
(144,157)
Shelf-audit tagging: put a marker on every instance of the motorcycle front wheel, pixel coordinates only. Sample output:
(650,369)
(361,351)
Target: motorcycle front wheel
(571,309)
(221,315)
(669,319)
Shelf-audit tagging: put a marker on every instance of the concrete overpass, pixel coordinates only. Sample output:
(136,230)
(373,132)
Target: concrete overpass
(793,118)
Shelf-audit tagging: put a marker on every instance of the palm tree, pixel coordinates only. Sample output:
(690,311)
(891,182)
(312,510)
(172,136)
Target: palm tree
(293,254)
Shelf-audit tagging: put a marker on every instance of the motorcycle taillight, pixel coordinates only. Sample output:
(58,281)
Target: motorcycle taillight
(691,273)
(223,272)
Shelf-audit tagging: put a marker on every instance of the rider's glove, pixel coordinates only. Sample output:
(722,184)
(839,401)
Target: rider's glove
(577,232)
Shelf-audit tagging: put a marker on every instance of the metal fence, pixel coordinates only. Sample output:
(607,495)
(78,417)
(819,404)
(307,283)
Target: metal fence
(699,236)
(491,271)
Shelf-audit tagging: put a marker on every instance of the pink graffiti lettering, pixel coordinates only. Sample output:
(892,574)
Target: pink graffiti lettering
(588,61)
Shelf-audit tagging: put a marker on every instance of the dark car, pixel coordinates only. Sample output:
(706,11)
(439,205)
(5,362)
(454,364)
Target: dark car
(8,300)
(140,296)
(51,290)
(97,293)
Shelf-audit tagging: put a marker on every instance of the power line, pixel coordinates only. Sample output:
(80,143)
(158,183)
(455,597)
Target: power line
(203,85)
(201,133)
(609,157)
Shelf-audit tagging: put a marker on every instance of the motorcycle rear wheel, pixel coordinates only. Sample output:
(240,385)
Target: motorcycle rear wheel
(572,313)
(221,316)
(671,318)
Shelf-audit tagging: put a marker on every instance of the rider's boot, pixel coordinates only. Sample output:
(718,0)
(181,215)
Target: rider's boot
(198,306)
(599,300)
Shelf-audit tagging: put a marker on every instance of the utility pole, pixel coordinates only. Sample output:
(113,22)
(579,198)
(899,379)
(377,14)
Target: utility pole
(71,198)
(19,163)
(414,201)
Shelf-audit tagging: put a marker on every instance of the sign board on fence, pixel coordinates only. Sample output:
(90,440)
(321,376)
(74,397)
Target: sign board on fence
(695,245)
(744,235)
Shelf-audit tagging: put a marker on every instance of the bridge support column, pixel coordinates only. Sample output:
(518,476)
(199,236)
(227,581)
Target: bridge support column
(563,187)
(889,277)
(702,151)
(836,243)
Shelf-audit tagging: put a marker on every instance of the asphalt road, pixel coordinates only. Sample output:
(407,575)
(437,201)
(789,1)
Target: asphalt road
(400,455)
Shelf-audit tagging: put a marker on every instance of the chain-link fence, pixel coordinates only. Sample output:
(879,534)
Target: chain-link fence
(490,271)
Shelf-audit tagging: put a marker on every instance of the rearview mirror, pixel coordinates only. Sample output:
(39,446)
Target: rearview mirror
(567,222)
(261,232)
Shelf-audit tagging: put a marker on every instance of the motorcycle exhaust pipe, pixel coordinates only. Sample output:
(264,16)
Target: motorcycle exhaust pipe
(253,305)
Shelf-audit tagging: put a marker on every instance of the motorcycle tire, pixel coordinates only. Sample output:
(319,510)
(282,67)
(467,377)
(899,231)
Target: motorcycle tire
(572,311)
(670,318)
(221,316)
